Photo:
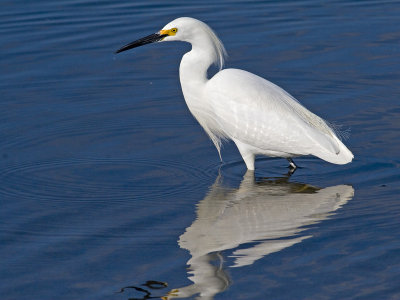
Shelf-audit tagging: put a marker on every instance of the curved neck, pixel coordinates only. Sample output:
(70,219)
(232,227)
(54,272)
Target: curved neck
(195,63)
(193,78)
(194,66)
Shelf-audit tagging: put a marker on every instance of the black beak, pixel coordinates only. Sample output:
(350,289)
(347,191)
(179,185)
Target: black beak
(155,37)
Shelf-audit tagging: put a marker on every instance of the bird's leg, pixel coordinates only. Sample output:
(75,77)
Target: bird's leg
(247,155)
(249,161)
(292,165)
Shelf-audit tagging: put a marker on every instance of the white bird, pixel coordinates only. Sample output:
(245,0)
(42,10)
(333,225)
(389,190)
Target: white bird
(259,116)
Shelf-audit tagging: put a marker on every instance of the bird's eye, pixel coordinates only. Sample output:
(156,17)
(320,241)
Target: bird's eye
(174,30)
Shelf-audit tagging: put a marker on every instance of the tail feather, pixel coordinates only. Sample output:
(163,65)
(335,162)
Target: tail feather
(344,156)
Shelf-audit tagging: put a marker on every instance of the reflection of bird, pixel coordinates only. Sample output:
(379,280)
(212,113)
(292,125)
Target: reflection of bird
(260,117)
(260,217)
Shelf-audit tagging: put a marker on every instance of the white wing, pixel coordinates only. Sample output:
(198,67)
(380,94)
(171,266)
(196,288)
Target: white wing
(257,112)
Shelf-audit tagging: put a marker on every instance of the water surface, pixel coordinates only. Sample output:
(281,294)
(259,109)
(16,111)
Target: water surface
(110,190)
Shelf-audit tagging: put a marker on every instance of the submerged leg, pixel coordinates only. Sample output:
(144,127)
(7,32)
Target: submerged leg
(292,165)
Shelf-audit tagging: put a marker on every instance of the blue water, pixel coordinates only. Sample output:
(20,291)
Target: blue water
(109,189)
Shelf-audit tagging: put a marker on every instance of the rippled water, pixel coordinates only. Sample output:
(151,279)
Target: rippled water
(110,190)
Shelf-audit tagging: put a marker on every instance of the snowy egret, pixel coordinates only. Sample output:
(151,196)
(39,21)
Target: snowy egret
(260,117)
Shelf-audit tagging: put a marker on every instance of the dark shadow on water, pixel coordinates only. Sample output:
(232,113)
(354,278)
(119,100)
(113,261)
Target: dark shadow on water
(260,217)
(145,290)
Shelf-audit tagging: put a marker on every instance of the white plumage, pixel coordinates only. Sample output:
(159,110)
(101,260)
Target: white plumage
(260,117)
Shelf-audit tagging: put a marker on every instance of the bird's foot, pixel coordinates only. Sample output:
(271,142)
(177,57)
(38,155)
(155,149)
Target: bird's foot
(292,166)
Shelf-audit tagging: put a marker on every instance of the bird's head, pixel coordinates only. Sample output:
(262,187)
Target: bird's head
(187,30)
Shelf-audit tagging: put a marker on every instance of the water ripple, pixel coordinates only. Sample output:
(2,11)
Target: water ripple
(87,180)
(80,198)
